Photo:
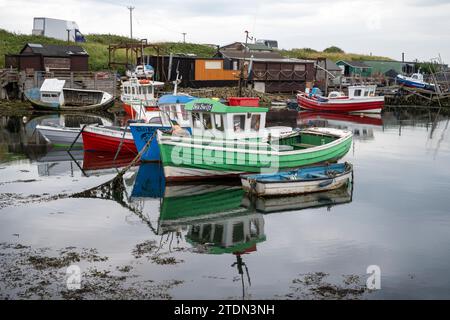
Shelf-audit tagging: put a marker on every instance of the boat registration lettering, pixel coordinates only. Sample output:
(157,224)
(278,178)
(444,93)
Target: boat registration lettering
(202,107)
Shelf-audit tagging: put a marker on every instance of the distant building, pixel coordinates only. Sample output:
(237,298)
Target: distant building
(268,43)
(49,57)
(333,72)
(354,68)
(195,72)
(381,67)
(267,70)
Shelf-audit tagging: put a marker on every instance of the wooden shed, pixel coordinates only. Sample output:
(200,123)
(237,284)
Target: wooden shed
(195,72)
(48,57)
(355,68)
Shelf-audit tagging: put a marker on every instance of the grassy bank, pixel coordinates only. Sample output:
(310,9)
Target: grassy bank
(312,54)
(97,47)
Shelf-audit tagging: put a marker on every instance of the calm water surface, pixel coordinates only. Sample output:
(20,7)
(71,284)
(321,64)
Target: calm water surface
(211,242)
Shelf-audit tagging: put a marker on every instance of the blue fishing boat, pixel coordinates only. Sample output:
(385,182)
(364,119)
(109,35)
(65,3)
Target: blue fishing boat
(299,181)
(172,112)
(415,81)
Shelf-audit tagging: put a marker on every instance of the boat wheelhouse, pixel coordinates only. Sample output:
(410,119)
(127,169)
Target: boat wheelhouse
(138,96)
(360,98)
(172,110)
(230,140)
(53,96)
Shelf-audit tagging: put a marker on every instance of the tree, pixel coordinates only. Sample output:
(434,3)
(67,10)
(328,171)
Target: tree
(333,49)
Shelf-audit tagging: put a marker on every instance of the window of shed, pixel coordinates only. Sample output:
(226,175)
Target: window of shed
(214,65)
(299,67)
(239,123)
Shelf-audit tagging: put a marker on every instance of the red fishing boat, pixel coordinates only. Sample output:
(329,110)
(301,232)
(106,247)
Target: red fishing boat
(360,99)
(108,139)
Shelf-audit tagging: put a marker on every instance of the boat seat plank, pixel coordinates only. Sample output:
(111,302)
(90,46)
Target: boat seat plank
(303,145)
(318,175)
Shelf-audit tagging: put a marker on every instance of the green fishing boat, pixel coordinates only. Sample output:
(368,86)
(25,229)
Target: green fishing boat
(230,140)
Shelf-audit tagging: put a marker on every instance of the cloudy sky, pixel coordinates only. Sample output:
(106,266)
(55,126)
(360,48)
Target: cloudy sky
(420,28)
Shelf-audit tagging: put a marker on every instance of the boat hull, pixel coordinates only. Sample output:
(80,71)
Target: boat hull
(369,105)
(32,95)
(141,134)
(185,161)
(414,84)
(107,140)
(60,136)
(132,112)
(283,188)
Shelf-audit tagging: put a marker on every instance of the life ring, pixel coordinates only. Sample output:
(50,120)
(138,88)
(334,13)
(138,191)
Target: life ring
(144,81)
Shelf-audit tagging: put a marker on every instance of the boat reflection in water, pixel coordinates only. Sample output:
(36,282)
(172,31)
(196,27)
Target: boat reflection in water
(60,162)
(217,218)
(307,201)
(362,125)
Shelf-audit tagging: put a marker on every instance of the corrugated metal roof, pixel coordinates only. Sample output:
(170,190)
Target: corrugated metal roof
(258,46)
(356,64)
(55,50)
(238,54)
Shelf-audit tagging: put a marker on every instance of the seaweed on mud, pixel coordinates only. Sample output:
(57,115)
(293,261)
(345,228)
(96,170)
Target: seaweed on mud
(315,286)
(143,248)
(29,273)
(150,250)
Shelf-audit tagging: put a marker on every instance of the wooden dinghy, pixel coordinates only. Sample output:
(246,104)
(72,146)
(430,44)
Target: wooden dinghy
(300,181)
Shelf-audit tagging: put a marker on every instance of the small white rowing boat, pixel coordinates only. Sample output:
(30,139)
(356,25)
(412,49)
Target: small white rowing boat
(300,181)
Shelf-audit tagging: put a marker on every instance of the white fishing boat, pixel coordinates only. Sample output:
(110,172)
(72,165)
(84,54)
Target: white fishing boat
(60,135)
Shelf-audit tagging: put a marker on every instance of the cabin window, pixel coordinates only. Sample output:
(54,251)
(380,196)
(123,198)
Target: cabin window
(299,67)
(173,111)
(196,119)
(357,93)
(207,121)
(184,114)
(156,120)
(255,123)
(218,122)
(239,123)
(366,93)
(238,232)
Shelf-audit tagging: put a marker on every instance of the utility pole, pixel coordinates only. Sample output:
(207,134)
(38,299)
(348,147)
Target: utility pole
(242,76)
(184,37)
(131,21)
